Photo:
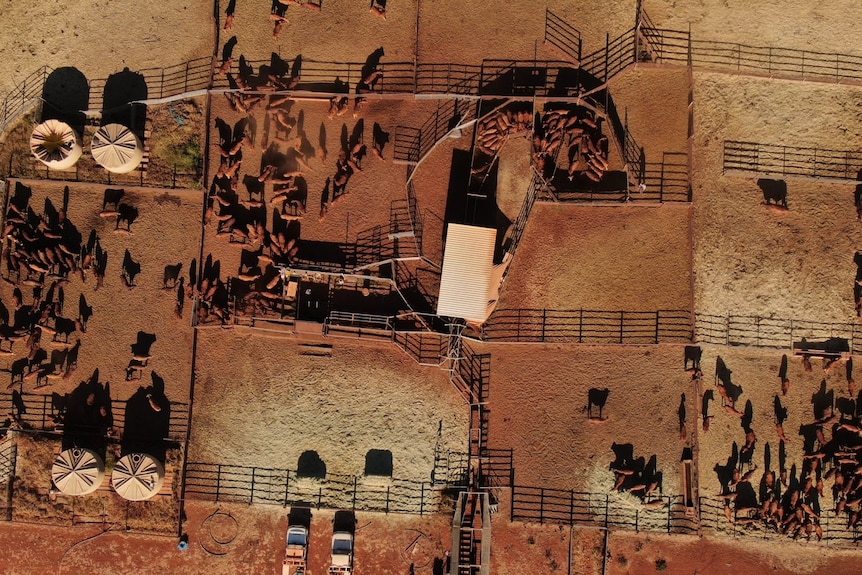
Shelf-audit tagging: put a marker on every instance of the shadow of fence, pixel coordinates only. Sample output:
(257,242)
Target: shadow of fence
(40,413)
(791,161)
(588,326)
(338,77)
(756,331)
(233,483)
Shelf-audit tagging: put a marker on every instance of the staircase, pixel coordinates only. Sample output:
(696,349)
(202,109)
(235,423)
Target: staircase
(471,535)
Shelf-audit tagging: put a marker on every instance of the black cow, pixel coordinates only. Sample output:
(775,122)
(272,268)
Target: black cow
(112,196)
(130,269)
(774,191)
(65,327)
(127,214)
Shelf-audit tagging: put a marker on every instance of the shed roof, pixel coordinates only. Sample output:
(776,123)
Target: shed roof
(468,263)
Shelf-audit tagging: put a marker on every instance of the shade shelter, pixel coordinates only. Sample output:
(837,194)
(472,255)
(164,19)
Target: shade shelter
(468,273)
(117,149)
(56,144)
(137,476)
(78,471)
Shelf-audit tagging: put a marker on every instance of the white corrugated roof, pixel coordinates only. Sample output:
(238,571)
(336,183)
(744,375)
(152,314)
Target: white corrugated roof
(468,262)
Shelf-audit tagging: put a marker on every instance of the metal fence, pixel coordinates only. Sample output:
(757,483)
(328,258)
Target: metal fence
(836,533)
(678,47)
(413,144)
(563,35)
(22,97)
(588,326)
(285,487)
(40,412)
(791,161)
(167,82)
(569,507)
(781,333)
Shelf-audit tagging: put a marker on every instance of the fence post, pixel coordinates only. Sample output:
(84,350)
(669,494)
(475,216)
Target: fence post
(387,499)
(319,496)
(541,505)
(668,513)
(544,320)
(581,327)
(607,503)
(622,320)
(572,507)
(512,501)
(286,487)
(637,520)
(422,500)
(162,85)
(607,51)
(218,482)
(656,325)
(186,84)
(251,495)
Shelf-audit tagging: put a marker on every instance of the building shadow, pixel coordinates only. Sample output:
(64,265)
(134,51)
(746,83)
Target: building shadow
(147,424)
(65,97)
(121,101)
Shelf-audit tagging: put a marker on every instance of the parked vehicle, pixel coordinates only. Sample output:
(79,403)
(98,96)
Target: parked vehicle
(296,551)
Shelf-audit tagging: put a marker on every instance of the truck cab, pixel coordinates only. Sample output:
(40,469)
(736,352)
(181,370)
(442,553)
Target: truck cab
(296,550)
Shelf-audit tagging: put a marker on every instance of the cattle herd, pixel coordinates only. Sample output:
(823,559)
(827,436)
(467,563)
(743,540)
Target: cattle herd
(783,496)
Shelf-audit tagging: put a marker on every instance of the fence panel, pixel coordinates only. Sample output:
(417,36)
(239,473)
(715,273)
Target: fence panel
(563,35)
(235,483)
(589,326)
(791,161)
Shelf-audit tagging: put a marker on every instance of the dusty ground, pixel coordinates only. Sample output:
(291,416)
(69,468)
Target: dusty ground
(546,422)
(529,547)
(805,26)
(167,231)
(632,553)
(613,258)
(813,243)
(86,35)
(363,397)
(657,104)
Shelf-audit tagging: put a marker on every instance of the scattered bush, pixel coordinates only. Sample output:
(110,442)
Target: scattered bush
(660,564)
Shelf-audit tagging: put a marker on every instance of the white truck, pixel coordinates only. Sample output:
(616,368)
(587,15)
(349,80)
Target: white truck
(341,560)
(296,551)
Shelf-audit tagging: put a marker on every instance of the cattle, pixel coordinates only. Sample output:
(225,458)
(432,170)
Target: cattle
(130,269)
(774,191)
(126,213)
(85,312)
(112,196)
(64,327)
